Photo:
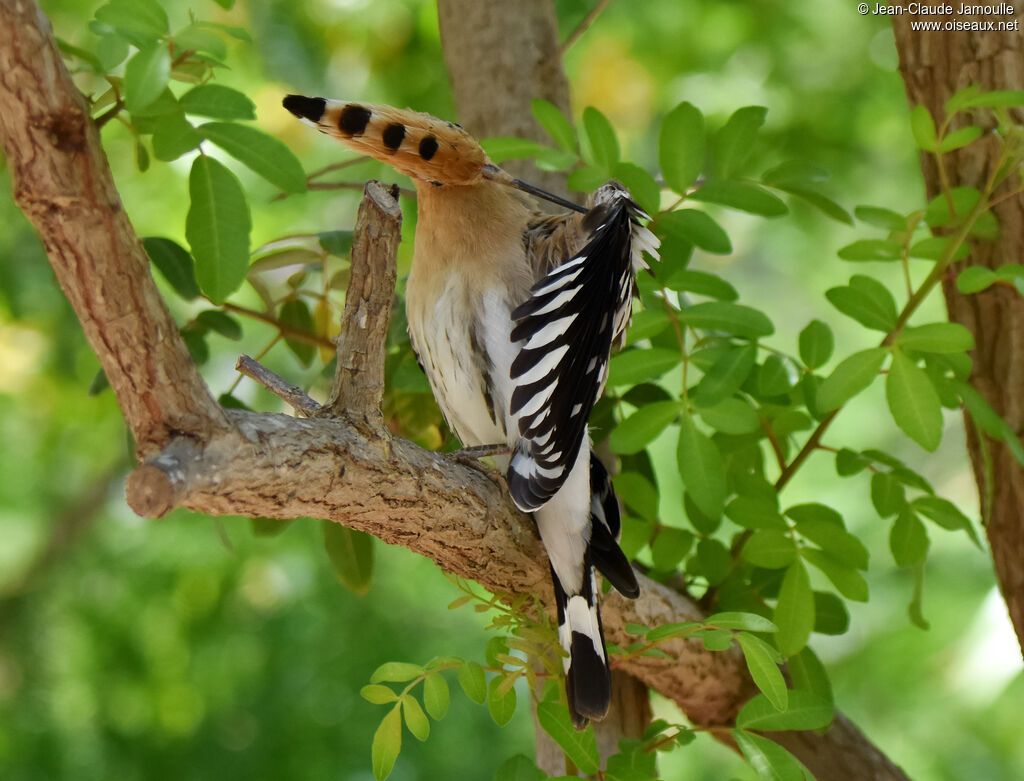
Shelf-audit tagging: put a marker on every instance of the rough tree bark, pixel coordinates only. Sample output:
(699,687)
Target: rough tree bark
(501,56)
(345,467)
(934,66)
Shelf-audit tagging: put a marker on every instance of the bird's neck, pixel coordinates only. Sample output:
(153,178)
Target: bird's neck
(476,224)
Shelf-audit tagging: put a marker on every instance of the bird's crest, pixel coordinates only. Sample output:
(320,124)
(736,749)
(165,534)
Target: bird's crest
(413,143)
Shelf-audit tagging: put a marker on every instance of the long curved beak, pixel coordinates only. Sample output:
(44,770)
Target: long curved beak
(496,174)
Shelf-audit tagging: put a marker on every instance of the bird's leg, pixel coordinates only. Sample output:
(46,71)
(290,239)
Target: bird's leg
(470,456)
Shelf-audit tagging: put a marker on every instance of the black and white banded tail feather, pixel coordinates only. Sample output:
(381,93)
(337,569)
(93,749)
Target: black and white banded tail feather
(588,680)
(568,325)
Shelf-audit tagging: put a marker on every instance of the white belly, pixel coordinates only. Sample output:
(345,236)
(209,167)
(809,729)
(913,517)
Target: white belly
(467,360)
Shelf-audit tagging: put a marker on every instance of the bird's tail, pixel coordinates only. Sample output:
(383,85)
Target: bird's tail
(580,632)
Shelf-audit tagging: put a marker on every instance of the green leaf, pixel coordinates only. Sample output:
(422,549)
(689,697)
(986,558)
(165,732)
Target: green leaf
(671,630)
(714,560)
(850,377)
(501,149)
(579,747)
(502,706)
(761,662)
(731,416)
(923,128)
(415,719)
(835,540)
(816,344)
(473,681)
(681,146)
(733,144)
(809,674)
(822,203)
(702,283)
(351,555)
(519,768)
(830,614)
(886,219)
(794,611)
(913,401)
(175,264)
(262,153)
(638,494)
(140,21)
(867,301)
(221,323)
(647,323)
(937,338)
(908,539)
(725,316)
(296,316)
(959,138)
(697,228)
(726,375)
(174,136)
(744,196)
(554,123)
(887,494)
(643,426)
(995,99)
(436,696)
(773,378)
(805,711)
(769,548)
(945,514)
(846,579)
(396,672)
(196,37)
(378,694)
(670,546)
(146,76)
(217,228)
(871,249)
(634,366)
(641,185)
(387,743)
(770,761)
(756,512)
(963,200)
(750,622)
(915,610)
(586,178)
(934,247)
(701,468)
(218,102)
(598,143)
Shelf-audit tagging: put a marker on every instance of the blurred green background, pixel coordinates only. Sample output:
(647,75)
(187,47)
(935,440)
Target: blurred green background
(190,647)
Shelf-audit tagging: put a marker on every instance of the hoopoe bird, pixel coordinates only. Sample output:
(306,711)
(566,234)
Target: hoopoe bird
(512,315)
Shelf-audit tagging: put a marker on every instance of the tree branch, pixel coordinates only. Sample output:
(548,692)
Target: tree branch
(62,182)
(354,472)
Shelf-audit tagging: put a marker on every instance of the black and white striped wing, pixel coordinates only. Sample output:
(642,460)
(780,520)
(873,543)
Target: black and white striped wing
(568,326)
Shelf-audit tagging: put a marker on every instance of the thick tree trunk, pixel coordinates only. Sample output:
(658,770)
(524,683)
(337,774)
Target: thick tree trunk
(934,66)
(501,56)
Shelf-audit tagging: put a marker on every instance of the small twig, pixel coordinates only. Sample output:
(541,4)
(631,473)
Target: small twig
(581,28)
(292,395)
(286,331)
(338,166)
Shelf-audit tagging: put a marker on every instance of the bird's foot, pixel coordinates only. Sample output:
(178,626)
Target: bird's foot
(470,456)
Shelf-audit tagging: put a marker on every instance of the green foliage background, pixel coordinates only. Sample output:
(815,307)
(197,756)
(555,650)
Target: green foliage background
(192,647)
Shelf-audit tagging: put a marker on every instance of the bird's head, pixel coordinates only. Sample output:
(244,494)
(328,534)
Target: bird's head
(423,147)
